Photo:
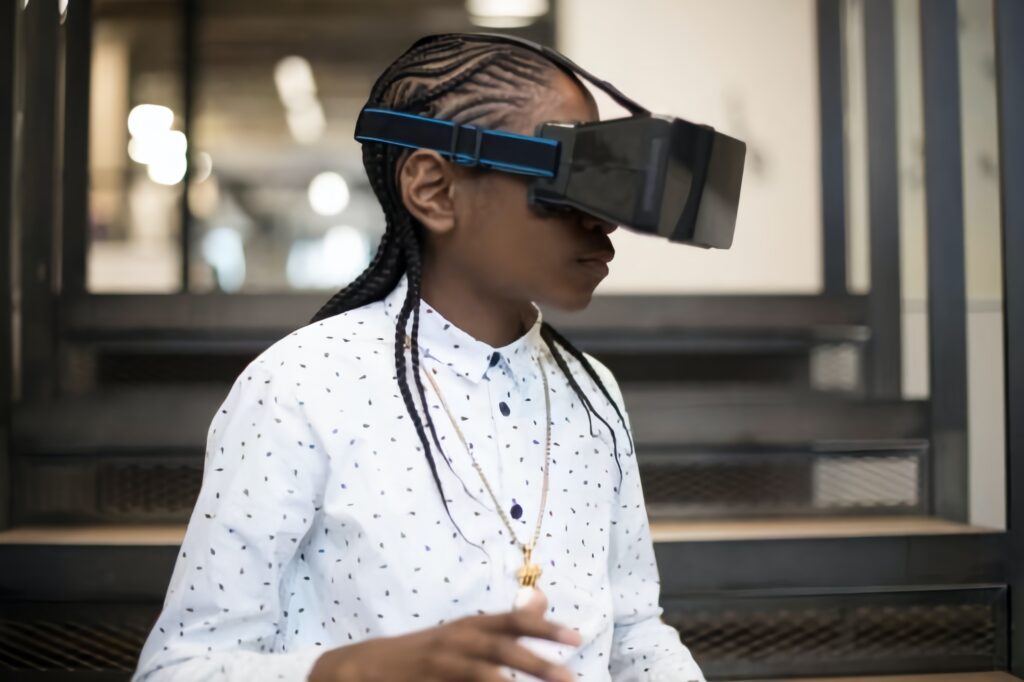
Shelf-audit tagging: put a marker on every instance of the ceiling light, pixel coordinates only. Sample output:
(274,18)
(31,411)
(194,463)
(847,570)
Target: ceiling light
(506,13)
(328,194)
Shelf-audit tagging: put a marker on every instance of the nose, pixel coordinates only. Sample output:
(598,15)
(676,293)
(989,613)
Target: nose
(592,223)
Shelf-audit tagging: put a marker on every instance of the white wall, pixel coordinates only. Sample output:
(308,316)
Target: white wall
(983,259)
(748,68)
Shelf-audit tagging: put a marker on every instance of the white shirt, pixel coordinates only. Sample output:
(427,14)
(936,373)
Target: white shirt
(319,524)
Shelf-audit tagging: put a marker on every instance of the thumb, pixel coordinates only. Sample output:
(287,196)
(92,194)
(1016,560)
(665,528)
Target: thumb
(533,600)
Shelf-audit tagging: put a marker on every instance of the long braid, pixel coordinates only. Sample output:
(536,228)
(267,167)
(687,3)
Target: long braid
(553,338)
(466,79)
(555,335)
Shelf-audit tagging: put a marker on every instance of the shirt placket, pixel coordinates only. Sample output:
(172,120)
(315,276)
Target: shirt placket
(521,457)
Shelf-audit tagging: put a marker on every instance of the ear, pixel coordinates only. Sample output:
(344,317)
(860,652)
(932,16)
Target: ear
(425,181)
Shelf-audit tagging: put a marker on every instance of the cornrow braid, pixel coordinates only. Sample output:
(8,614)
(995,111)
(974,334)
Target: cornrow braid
(467,79)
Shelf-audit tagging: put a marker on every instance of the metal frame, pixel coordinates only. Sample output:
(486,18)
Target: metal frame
(97,316)
(833,172)
(188,36)
(884,376)
(7,37)
(119,581)
(37,191)
(78,572)
(75,175)
(797,461)
(947,307)
(846,609)
(1009,22)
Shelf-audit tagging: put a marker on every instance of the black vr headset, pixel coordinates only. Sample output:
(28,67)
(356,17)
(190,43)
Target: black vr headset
(652,174)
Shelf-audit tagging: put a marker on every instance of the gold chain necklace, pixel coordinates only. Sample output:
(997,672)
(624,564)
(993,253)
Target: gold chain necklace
(529,572)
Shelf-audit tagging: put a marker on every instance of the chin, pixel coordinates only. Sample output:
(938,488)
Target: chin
(572,299)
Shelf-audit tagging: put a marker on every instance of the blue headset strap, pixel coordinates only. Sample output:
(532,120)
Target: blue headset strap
(463,144)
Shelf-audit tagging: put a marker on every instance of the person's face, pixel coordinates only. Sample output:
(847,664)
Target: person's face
(496,240)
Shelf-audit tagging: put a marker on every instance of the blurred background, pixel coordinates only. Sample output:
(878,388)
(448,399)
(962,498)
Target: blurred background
(823,413)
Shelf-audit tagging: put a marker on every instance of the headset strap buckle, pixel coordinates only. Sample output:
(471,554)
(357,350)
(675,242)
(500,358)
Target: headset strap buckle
(463,159)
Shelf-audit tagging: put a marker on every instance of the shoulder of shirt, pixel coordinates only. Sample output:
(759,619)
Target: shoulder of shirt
(335,338)
(606,375)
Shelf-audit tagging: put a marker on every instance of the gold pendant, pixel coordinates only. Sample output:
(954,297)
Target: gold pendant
(529,572)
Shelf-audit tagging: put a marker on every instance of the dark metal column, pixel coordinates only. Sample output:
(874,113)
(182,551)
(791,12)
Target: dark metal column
(1009,58)
(37,192)
(7,34)
(947,307)
(75,233)
(190,13)
(833,182)
(884,377)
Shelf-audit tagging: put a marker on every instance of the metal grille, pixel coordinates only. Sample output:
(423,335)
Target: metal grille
(71,645)
(725,484)
(832,637)
(677,485)
(155,489)
(767,638)
(828,634)
(837,367)
(887,481)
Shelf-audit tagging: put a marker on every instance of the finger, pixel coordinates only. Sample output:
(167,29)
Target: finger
(503,650)
(525,623)
(458,667)
(531,600)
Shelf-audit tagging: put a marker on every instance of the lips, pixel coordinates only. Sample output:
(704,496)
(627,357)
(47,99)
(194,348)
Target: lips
(603,256)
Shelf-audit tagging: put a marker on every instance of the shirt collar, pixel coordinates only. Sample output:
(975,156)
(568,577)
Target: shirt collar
(465,355)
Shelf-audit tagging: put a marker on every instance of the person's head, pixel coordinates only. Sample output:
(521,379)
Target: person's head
(474,222)
(477,222)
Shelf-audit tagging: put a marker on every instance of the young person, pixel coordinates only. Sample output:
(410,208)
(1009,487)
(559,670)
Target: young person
(381,485)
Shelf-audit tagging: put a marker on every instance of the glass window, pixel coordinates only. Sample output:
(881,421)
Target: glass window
(275,197)
(137,147)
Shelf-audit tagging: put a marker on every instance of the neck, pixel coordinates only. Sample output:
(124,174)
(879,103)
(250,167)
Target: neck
(492,319)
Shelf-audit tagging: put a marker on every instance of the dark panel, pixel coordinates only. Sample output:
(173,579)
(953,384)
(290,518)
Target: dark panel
(690,568)
(219,316)
(72,641)
(55,573)
(921,631)
(947,310)
(130,420)
(700,417)
(38,196)
(745,636)
(191,73)
(77,28)
(1009,57)
(859,479)
(884,359)
(133,420)
(833,182)
(862,480)
(8,21)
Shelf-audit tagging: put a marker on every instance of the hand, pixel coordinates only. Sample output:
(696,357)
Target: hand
(471,649)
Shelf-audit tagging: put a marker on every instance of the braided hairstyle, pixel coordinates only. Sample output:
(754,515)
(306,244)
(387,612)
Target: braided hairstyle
(470,80)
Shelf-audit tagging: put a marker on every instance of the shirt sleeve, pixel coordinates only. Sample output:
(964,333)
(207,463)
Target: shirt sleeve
(262,484)
(644,648)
